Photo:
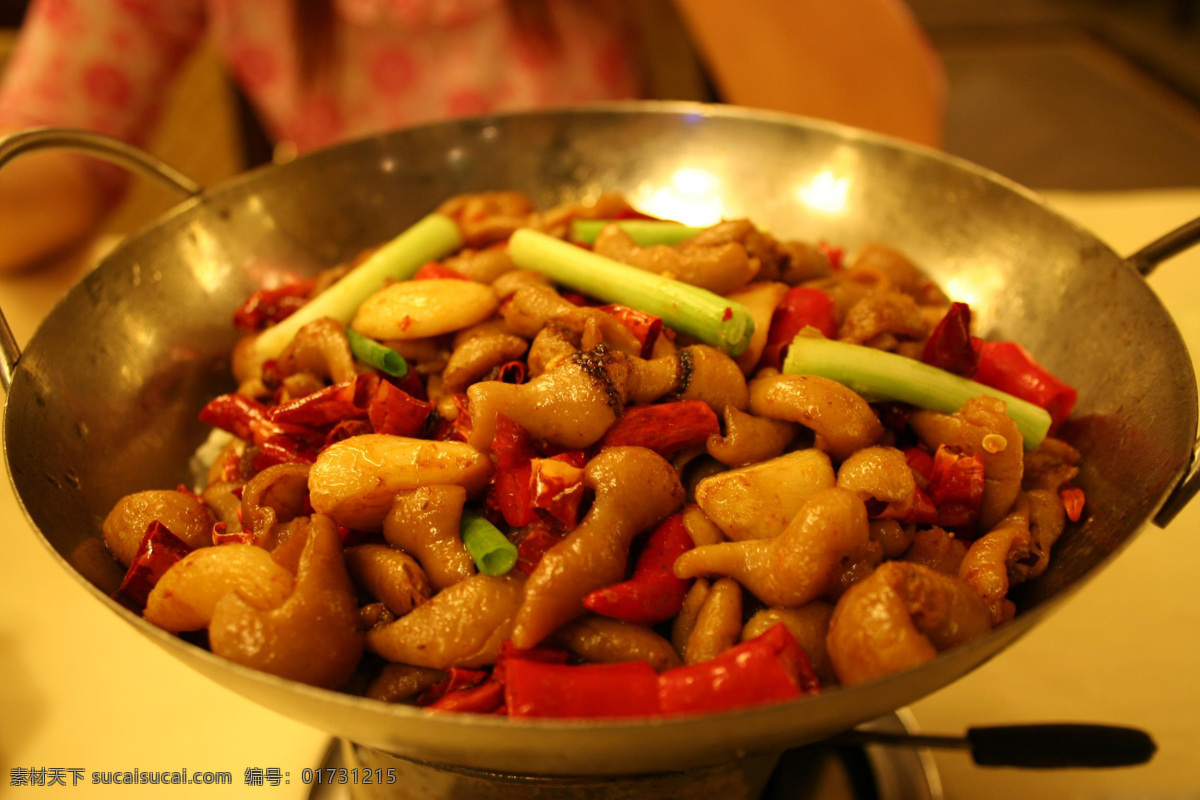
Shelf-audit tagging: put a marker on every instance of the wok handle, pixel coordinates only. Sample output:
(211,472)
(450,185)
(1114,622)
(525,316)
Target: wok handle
(92,144)
(1144,261)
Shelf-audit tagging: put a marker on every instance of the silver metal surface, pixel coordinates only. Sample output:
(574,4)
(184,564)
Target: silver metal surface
(97,146)
(105,399)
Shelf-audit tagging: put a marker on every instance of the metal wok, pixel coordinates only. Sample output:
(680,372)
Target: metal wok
(104,399)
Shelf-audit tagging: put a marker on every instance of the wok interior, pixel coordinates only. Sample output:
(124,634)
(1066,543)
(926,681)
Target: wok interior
(107,393)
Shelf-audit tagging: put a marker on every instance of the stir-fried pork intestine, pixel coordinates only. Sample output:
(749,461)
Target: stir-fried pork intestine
(801,564)
(749,439)
(571,405)
(1003,457)
(841,418)
(461,626)
(184,515)
(880,474)
(882,320)
(634,489)
(899,618)
(718,623)
(714,259)
(600,640)
(810,507)
(759,501)
(313,636)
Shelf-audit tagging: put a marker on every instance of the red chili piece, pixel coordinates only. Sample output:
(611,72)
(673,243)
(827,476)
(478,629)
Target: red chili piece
(328,406)
(458,678)
(836,255)
(534,546)
(556,487)
(435,270)
(269,306)
(242,416)
(653,594)
(513,372)
(1010,368)
(645,327)
(665,428)
(766,669)
(157,553)
(1073,501)
(511,443)
(396,412)
(284,449)
(919,461)
(347,428)
(951,346)
(956,486)
(800,308)
(538,689)
(510,495)
(486,698)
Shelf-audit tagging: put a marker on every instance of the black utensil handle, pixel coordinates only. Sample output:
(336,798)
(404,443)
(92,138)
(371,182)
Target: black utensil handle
(1060,746)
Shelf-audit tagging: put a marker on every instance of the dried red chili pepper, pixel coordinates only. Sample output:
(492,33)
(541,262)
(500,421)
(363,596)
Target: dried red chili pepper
(396,412)
(509,651)
(509,494)
(513,372)
(800,308)
(270,306)
(285,449)
(556,487)
(591,691)
(919,461)
(666,428)
(486,698)
(328,406)
(435,270)
(158,551)
(956,486)
(653,594)
(951,346)
(242,416)
(766,669)
(836,255)
(645,327)
(345,429)
(534,546)
(1073,501)
(458,678)
(1010,368)
(511,443)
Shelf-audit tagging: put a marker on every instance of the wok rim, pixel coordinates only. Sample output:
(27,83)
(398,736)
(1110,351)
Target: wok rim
(573,728)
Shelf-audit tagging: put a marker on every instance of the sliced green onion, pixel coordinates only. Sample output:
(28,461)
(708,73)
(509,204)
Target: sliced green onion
(884,375)
(685,308)
(372,352)
(430,239)
(494,554)
(644,232)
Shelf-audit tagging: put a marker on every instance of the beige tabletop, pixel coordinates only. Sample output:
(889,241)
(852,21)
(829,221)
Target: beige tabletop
(80,690)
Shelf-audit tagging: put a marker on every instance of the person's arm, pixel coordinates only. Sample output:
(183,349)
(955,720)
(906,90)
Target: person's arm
(860,62)
(103,66)
(48,202)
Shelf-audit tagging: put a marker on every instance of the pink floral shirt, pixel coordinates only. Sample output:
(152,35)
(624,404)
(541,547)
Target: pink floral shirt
(105,64)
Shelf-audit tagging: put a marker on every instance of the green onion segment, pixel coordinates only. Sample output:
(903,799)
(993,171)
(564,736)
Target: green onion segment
(431,238)
(688,309)
(373,353)
(494,554)
(884,375)
(644,232)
